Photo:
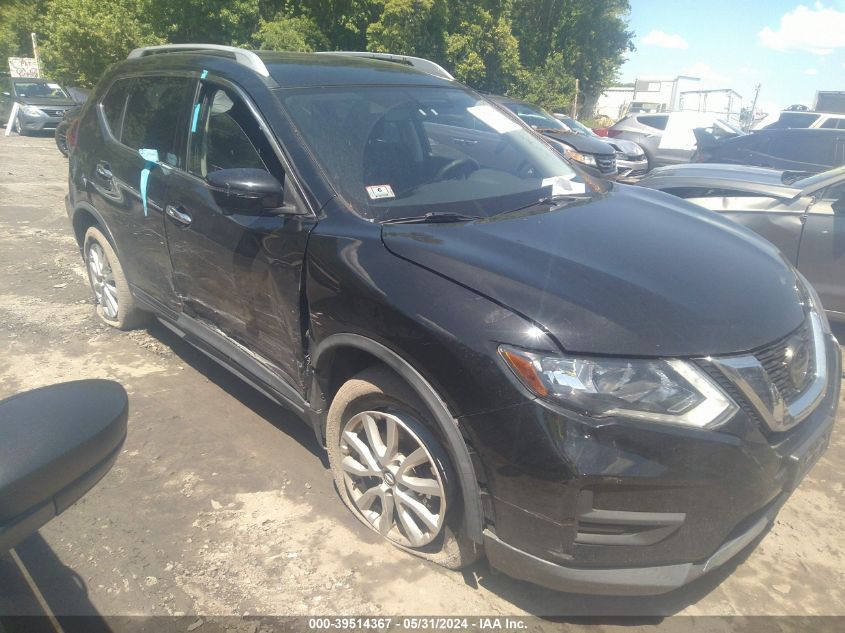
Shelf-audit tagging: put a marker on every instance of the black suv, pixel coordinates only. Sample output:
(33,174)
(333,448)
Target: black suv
(499,357)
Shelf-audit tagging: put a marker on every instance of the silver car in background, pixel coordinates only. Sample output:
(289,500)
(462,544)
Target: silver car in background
(804,216)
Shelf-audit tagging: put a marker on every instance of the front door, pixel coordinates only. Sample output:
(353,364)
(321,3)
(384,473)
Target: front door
(237,273)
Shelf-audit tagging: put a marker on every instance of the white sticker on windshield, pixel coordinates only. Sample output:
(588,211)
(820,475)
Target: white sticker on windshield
(53,86)
(492,117)
(561,185)
(380,191)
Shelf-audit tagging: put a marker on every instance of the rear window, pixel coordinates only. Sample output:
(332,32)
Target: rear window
(155,111)
(657,121)
(113,105)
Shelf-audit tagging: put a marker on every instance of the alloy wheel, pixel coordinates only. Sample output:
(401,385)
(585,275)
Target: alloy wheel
(392,479)
(102,280)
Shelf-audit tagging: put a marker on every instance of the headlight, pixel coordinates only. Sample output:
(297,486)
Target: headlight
(31,111)
(663,391)
(586,159)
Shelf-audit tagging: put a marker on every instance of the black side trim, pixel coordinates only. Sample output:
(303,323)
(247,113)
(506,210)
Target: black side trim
(236,360)
(456,446)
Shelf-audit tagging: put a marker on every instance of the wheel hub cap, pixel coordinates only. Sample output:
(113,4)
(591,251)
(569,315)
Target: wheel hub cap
(392,479)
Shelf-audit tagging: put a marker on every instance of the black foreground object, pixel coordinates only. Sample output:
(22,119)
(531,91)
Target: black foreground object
(56,442)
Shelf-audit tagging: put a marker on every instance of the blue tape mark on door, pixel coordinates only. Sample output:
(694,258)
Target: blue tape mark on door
(203,74)
(196,118)
(151,158)
(145,176)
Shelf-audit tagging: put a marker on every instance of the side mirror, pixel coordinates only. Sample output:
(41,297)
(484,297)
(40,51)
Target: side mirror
(58,442)
(838,207)
(246,190)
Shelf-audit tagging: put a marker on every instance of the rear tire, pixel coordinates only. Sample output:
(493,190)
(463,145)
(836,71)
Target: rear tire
(115,304)
(400,482)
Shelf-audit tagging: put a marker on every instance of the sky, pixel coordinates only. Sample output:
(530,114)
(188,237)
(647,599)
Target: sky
(791,48)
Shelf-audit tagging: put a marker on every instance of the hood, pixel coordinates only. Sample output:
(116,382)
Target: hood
(629,148)
(42,101)
(581,143)
(632,272)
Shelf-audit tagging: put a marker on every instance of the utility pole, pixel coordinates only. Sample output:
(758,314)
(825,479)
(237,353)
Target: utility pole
(753,107)
(574,110)
(36,55)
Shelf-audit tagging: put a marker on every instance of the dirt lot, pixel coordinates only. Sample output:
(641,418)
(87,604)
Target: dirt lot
(221,504)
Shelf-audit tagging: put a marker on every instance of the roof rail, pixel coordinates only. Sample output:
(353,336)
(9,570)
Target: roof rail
(425,65)
(241,55)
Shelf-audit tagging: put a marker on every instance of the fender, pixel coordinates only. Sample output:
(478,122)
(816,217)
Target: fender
(456,446)
(85,206)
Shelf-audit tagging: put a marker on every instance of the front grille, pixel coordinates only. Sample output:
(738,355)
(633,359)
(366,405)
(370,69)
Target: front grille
(789,362)
(52,112)
(606,164)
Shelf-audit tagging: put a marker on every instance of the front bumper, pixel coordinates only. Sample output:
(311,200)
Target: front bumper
(31,123)
(628,508)
(631,170)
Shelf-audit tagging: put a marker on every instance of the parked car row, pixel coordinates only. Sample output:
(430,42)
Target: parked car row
(602,388)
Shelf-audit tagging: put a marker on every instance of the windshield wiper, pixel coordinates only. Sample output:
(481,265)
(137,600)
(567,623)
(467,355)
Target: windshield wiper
(434,217)
(556,201)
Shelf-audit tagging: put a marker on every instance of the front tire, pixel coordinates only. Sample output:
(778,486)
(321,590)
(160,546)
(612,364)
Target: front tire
(115,304)
(392,472)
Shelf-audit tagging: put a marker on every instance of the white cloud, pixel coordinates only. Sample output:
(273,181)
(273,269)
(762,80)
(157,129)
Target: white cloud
(819,30)
(664,40)
(811,71)
(703,71)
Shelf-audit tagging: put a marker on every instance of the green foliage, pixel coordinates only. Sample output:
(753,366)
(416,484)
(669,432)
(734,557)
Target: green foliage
(18,18)
(80,38)
(534,49)
(410,27)
(289,33)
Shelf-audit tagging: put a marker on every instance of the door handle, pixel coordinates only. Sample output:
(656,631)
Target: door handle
(103,170)
(464,141)
(179,216)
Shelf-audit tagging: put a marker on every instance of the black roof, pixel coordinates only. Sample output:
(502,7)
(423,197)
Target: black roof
(296,70)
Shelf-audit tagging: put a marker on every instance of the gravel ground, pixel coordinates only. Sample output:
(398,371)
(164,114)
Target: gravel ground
(221,502)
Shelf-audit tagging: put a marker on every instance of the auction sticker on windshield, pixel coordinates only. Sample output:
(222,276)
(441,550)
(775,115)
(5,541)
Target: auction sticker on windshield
(380,191)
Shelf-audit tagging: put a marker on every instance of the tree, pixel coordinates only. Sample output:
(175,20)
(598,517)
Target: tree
(410,27)
(82,37)
(290,33)
(482,50)
(18,19)
(210,21)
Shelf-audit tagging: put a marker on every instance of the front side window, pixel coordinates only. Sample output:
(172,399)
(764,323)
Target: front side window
(402,151)
(155,112)
(226,135)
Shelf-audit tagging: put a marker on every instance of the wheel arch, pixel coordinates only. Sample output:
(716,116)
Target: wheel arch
(357,352)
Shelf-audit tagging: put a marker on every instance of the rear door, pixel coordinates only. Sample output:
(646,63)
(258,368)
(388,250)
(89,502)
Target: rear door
(822,254)
(238,274)
(141,113)
(798,150)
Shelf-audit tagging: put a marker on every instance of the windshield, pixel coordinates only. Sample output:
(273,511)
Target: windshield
(401,151)
(535,117)
(40,89)
(576,126)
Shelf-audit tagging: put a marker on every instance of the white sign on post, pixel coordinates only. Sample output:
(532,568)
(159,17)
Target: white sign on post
(23,67)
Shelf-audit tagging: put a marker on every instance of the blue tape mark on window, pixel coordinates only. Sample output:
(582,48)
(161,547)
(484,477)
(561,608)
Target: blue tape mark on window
(196,118)
(204,74)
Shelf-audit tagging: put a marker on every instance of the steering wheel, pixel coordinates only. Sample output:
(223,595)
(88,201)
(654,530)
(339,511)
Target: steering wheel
(458,167)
